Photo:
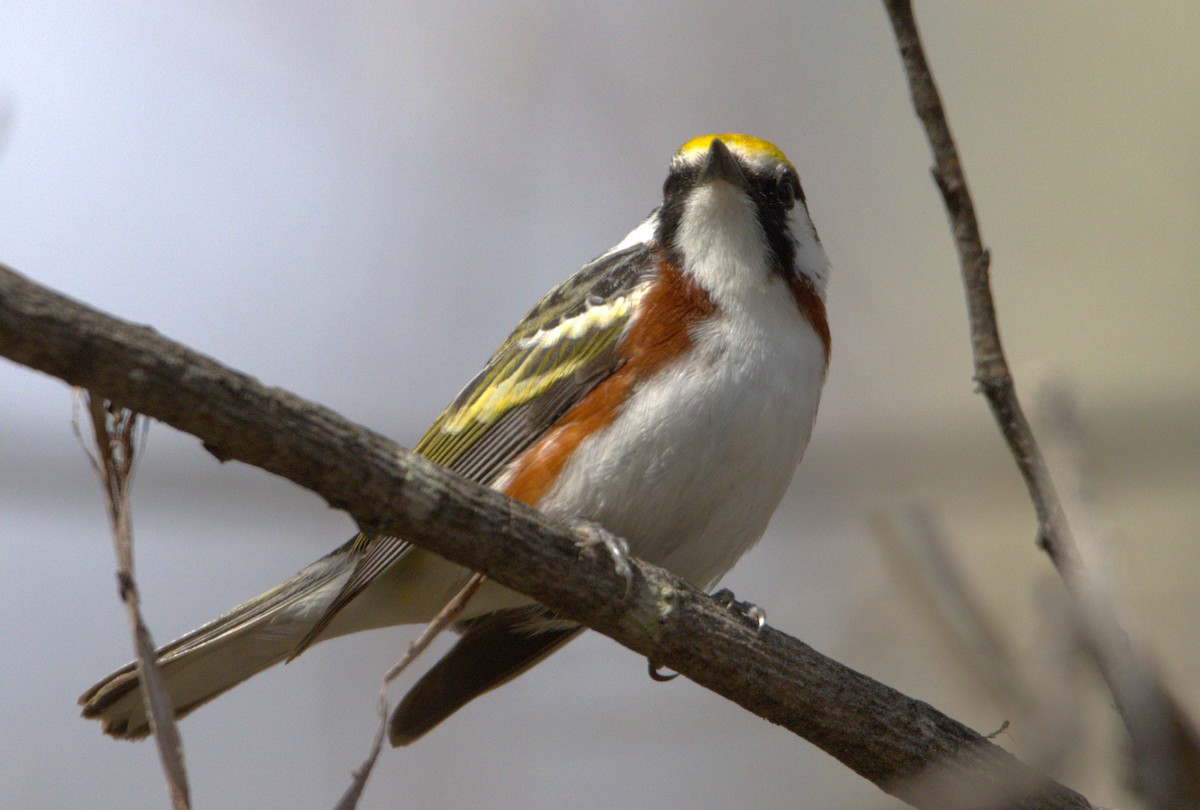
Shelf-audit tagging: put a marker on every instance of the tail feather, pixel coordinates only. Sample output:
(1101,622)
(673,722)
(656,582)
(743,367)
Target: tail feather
(493,650)
(218,656)
(499,642)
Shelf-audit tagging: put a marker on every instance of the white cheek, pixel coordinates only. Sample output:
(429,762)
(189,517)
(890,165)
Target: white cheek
(810,255)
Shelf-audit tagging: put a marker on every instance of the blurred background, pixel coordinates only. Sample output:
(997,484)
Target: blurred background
(356,201)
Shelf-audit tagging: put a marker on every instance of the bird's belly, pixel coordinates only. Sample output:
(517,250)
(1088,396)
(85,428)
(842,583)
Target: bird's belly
(696,461)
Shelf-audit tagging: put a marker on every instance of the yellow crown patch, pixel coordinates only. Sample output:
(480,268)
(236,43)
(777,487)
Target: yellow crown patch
(748,145)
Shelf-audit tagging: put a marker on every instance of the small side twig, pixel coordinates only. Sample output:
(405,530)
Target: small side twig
(1136,696)
(116,453)
(445,617)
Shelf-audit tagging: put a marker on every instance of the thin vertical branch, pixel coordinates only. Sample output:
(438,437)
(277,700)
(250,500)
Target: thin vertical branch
(114,430)
(991,366)
(1156,725)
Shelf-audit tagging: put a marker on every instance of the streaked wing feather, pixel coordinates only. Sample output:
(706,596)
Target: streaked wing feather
(559,352)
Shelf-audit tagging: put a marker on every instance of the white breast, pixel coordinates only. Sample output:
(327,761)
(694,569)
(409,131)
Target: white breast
(697,460)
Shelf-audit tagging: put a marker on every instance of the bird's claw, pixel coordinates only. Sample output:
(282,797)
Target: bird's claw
(617,548)
(656,673)
(747,610)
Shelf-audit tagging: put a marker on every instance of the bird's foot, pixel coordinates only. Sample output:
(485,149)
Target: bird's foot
(750,612)
(618,550)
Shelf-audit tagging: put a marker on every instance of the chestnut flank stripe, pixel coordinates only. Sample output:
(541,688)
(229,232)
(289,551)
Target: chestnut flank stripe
(660,332)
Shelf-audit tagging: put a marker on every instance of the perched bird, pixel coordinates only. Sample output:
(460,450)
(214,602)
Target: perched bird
(665,392)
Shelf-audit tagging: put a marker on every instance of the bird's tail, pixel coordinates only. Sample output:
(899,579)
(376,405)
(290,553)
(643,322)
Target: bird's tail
(226,651)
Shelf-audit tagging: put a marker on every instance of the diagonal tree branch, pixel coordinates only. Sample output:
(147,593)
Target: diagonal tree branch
(881,734)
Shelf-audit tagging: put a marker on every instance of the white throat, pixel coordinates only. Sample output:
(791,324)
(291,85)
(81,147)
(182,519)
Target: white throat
(724,247)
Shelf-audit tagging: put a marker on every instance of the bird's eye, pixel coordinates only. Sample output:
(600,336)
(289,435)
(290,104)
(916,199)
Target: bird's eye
(787,187)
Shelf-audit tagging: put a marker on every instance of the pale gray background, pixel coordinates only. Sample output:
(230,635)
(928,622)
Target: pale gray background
(357,201)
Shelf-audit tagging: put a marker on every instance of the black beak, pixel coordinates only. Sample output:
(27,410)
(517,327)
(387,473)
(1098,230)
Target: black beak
(722,165)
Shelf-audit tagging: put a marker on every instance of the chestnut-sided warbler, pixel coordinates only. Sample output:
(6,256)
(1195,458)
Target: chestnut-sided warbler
(665,392)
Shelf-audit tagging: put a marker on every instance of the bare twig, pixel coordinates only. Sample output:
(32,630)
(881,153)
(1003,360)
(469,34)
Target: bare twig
(1044,706)
(1164,741)
(1111,648)
(917,543)
(445,617)
(114,429)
